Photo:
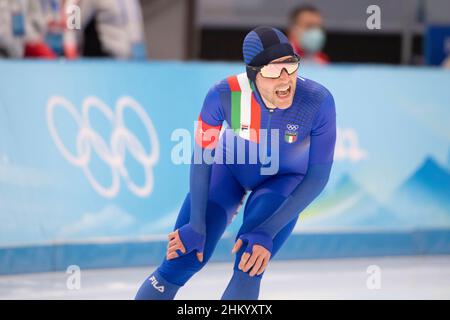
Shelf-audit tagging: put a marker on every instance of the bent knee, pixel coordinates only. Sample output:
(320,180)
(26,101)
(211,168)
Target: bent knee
(180,270)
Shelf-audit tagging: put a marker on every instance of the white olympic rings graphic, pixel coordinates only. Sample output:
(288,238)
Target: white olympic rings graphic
(112,152)
(292,127)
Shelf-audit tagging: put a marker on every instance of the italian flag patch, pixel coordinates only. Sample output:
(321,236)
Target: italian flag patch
(290,137)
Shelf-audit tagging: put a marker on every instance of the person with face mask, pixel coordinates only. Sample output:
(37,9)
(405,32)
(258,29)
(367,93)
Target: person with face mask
(278,147)
(307,35)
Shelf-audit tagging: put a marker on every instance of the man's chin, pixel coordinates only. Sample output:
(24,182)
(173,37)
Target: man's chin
(284,103)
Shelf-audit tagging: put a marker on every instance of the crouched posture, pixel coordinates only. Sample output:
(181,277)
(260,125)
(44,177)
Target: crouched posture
(279,146)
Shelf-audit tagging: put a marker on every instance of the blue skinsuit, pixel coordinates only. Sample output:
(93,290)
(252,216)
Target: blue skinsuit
(282,181)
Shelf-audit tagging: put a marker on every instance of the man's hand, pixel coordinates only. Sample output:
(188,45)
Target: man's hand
(174,245)
(183,241)
(257,253)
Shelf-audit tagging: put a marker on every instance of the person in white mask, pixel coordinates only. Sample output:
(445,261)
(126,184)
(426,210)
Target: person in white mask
(306,34)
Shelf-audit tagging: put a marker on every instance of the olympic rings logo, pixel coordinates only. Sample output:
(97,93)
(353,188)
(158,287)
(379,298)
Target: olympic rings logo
(292,127)
(111,152)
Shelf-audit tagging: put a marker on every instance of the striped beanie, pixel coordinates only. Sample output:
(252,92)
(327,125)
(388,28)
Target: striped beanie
(262,45)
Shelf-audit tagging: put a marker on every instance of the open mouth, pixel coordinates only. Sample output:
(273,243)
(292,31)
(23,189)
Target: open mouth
(283,92)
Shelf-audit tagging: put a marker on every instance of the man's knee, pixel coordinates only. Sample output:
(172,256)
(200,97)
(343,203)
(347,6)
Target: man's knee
(178,271)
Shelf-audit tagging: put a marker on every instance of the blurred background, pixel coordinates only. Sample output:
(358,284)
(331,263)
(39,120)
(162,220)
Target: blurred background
(98,98)
(413,32)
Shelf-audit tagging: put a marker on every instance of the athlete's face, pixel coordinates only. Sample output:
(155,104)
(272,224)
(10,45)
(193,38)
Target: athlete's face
(277,93)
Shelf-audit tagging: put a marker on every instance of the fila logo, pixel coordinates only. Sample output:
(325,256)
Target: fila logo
(154,283)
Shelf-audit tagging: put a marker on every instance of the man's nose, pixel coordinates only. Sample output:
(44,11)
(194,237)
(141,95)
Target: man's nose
(284,74)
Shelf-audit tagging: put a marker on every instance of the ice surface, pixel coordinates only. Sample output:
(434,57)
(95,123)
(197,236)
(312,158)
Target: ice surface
(425,277)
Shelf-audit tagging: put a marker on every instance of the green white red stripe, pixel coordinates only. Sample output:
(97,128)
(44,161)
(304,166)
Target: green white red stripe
(290,137)
(245,110)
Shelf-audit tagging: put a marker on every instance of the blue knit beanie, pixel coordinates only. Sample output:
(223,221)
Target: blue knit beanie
(262,45)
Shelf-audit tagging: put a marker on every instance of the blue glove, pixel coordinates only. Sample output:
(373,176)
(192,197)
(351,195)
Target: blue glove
(191,239)
(256,238)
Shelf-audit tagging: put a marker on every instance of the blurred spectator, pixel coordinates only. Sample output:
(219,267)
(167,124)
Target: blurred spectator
(38,29)
(307,34)
(33,29)
(111,28)
(47,23)
(12,29)
(19,30)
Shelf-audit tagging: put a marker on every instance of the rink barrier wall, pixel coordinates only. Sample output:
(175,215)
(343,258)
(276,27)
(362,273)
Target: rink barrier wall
(58,257)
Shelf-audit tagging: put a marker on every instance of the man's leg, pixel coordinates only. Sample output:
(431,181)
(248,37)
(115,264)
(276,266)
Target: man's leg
(224,197)
(262,203)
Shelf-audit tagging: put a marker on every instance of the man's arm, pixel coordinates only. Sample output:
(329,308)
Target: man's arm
(206,138)
(192,236)
(312,185)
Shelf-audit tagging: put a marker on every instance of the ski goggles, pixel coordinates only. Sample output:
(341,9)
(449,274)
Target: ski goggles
(273,70)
